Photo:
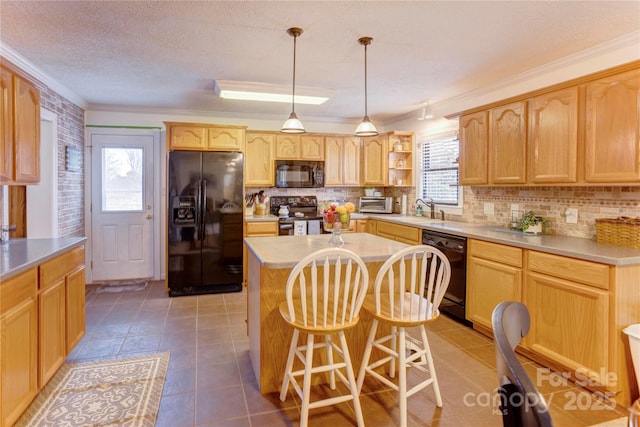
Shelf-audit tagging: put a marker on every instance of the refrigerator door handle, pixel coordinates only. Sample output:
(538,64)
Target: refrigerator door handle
(203,211)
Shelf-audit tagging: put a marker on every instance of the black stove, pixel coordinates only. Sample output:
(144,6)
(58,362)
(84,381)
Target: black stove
(301,208)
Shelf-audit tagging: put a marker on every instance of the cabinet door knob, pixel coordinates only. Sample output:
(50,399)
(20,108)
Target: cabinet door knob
(149,216)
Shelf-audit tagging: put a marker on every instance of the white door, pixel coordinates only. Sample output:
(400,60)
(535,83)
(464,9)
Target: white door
(121,205)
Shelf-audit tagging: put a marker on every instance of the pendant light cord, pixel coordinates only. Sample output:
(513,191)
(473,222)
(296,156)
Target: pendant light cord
(293,92)
(365,80)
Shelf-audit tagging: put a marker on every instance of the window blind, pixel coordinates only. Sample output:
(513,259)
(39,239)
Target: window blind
(439,170)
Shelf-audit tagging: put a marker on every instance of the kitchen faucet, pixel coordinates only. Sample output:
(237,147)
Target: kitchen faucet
(431,204)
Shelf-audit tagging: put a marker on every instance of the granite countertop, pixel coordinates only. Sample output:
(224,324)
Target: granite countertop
(575,247)
(286,251)
(19,255)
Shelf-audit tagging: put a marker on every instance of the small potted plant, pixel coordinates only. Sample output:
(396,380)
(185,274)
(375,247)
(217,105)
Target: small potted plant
(531,223)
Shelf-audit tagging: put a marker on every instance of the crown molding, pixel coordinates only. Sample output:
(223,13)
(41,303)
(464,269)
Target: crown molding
(29,68)
(597,58)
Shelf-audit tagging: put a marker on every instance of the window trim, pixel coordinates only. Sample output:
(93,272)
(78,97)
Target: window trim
(426,138)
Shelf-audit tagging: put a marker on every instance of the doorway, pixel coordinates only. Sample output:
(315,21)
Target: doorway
(122,203)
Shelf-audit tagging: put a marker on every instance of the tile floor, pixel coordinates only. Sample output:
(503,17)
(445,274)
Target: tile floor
(210,381)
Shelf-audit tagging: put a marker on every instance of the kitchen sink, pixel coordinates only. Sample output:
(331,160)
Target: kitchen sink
(518,232)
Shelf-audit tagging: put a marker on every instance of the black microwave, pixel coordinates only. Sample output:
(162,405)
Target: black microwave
(299,174)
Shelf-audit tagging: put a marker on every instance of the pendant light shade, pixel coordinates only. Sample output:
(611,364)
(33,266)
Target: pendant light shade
(293,124)
(365,128)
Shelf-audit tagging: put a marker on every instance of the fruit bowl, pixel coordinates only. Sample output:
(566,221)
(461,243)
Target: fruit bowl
(335,219)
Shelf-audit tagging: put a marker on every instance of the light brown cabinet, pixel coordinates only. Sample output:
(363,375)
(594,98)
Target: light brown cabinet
(358,225)
(612,136)
(18,345)
(494,274)
(553,137)
(203,136)
(508,144)
(399,233)
(342,161)
(568,301)
(474,143)
(259,154)
(19,129)
(43,318)
(300,147)
(374,160)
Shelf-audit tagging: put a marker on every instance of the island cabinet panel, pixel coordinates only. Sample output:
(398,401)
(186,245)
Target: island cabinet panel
(494,274)
(612,137)
(18,345)
(258,162)
(474,143)
(75,298)
(508,144)
(270,336)
(553,137)
(256,229)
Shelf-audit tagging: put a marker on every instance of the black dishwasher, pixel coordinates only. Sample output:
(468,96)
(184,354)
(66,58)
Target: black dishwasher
(455,248)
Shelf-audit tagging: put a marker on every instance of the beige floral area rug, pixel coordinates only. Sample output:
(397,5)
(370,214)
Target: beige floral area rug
(119,392)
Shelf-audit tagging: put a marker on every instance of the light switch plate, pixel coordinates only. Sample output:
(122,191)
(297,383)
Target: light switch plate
(571,216)
(489,208)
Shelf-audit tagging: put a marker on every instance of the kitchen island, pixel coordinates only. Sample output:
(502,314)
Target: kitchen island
(270,261)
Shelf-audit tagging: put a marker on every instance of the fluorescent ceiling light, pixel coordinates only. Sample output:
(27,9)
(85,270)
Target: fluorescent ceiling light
(252,91)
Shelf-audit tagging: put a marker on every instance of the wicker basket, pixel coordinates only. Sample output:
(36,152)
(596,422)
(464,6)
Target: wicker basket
(621,231)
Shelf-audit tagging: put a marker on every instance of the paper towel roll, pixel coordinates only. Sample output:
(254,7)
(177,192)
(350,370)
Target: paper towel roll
(404,204)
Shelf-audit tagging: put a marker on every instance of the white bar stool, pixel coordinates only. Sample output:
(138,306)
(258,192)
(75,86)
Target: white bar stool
(408,290)
(325,292)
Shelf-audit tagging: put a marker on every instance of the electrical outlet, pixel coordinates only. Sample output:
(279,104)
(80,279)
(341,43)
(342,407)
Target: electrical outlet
(571,216)
(489,208)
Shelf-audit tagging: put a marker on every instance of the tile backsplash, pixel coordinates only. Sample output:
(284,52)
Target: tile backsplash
(549,202)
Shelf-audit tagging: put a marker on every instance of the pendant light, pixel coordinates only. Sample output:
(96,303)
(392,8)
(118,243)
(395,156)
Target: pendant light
(365,128)
(293,124)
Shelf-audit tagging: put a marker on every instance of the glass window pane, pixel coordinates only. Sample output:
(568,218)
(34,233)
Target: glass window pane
(122,184)
(439,171)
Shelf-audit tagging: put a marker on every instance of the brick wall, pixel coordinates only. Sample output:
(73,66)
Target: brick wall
(70,184)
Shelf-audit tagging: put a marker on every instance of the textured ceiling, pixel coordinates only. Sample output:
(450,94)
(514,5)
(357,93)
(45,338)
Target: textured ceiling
(166,54)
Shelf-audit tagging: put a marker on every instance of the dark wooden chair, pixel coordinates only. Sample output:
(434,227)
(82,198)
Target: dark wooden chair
(520,402)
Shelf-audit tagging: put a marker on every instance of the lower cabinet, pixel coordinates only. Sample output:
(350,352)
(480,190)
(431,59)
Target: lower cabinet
(43,318)
(494,274)
(19,345)
(358,225)
(399,233)
(568,301)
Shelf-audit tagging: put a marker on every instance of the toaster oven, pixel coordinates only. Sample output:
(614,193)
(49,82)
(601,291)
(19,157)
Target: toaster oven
(376,204)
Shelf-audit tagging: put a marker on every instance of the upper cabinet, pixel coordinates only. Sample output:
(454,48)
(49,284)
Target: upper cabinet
(197,136)
(582,132)
(553,137)
(342,161)
(612,137)
(258,164)
(299,147)
(374,160)
(474,142)
(400,159)
(508,144)
(19,129)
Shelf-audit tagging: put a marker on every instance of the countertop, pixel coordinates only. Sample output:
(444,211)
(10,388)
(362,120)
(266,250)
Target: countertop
(19,255)
(575,247)
(286,251)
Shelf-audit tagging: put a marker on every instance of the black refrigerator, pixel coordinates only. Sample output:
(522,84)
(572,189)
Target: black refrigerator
(205,206)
